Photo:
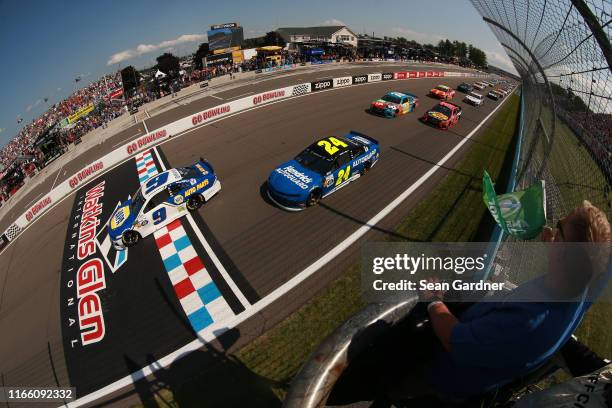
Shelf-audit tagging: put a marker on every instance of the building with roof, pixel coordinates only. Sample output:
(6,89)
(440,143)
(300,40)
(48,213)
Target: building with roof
(322,35)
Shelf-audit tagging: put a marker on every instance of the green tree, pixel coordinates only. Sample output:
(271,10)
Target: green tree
(202,52)
(130,79)
(168,64)
(274,38)
(477,56)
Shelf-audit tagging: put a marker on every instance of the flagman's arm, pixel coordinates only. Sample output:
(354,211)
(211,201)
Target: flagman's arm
(442,320)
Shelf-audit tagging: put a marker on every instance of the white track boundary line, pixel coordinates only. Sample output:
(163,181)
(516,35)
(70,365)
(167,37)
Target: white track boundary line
(241,298)
(284,288)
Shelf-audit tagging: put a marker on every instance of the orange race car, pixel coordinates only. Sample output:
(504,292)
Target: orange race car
(442,92)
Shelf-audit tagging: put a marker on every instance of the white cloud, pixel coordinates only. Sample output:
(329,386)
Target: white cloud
(33,105)
(147,48)
(2,130)
(500,60)
(333,22)
(416,35)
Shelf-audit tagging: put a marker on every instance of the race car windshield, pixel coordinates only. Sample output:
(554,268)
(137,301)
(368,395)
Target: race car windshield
(188,172)
(314,161)
(137,202)
(473,95)
(391,98)
(443,110)
(442,88)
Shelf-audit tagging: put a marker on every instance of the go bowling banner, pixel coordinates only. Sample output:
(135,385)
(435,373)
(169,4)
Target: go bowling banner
(521,214)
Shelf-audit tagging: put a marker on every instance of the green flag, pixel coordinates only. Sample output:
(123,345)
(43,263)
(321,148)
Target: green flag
(522,213)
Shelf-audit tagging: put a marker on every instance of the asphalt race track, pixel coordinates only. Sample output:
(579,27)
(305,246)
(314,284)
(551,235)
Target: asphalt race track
(246,245)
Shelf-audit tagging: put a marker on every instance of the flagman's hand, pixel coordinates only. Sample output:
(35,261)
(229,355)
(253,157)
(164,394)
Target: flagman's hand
(429,295)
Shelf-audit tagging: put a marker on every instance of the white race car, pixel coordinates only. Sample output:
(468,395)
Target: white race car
(161,200)
(474,98)
(479,85)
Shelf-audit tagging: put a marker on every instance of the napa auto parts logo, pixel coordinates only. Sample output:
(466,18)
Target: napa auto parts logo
(85,278)
(146,140)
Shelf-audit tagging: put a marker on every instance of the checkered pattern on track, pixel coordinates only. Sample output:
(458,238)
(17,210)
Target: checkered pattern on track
(198,294)
(145,165)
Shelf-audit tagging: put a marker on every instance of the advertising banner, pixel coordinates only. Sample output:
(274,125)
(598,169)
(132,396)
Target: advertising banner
(387,76)
(115,93)
(321,85)
(375,77)
(360,79)
(80,113)
(430,74)
(421,74)
(521,214)
(401,75)
(412,74)
(343,81)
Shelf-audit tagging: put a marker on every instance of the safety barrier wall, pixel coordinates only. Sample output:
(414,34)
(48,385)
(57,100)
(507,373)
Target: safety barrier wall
(157,136)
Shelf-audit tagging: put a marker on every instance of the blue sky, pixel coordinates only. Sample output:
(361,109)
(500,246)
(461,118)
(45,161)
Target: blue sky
(45,45)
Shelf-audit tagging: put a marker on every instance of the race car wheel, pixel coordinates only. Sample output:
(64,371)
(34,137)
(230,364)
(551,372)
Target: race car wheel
(366,167)
(130,238)
(195,202)
(313,198)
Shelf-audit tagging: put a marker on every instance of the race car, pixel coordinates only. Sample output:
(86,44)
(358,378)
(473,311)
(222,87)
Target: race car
(474,98)
(502,91)
(443,115)
(394,103)
(161,200)
(322,168)
(479,85)
(465,88)
(442,92)
(494,95)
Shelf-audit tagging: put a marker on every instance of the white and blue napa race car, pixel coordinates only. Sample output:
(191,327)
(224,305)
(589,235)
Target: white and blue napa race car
(161,200)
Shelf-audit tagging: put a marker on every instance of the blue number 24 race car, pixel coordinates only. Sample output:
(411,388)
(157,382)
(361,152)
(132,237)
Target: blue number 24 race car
(323,168)
(161,200)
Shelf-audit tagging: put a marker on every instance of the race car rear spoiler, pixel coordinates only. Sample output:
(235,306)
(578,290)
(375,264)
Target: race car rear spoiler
(370,138)
(452,104)
(205,162)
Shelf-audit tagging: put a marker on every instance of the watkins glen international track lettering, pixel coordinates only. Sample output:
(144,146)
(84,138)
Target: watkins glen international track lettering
(86,280)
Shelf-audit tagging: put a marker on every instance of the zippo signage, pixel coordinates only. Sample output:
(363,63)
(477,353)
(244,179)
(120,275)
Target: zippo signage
(360,79)
(321,85)
(343,81)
